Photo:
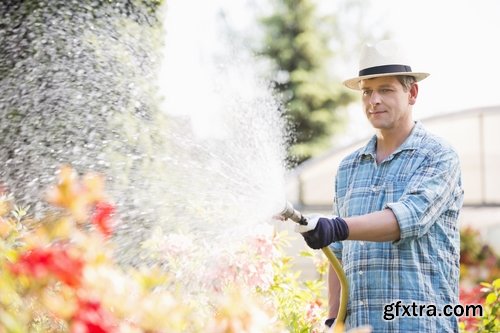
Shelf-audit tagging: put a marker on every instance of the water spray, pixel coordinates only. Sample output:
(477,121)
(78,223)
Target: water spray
(289,212)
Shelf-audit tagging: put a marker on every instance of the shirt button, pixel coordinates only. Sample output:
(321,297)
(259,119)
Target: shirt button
(360,272)
(361,303)
(361,243)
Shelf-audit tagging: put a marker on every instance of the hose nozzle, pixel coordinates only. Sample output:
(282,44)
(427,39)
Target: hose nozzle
(291,213)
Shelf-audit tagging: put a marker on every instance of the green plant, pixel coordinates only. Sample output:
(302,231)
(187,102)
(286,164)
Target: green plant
(489,298)
(58,275)
(300,303)
(478,260)
(491,318)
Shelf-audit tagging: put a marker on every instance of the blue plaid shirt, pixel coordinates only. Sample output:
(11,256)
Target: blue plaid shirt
(420,182)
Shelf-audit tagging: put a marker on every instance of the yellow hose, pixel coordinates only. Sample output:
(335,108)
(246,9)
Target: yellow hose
(337,267)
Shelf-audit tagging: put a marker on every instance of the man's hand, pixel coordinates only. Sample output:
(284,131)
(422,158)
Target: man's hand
(322,231)
(312,221)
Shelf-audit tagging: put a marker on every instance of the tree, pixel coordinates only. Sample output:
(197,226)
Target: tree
(297,42)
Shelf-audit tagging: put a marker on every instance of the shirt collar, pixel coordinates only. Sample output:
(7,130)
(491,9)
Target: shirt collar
(411,142)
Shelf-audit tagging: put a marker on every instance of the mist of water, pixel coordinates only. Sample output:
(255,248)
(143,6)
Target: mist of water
(226,133)
(196,174)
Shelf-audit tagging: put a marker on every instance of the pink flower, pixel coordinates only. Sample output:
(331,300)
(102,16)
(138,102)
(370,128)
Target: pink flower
(250,265)
(313,311)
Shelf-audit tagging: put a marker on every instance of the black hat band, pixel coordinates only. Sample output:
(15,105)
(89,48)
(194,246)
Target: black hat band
(385,69)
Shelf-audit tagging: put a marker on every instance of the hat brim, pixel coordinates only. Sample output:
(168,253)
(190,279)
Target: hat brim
(354,82)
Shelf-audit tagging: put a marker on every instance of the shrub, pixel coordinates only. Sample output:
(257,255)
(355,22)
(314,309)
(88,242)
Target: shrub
(58,275)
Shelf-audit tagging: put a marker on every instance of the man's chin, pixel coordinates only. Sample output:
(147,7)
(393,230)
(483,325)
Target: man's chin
(379,125)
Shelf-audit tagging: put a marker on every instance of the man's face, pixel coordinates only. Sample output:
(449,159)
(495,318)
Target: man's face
(386,104)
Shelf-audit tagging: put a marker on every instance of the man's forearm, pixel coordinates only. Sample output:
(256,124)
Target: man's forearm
(333,292)
(381,226)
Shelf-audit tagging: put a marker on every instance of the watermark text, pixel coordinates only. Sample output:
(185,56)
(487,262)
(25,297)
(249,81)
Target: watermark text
(399,309)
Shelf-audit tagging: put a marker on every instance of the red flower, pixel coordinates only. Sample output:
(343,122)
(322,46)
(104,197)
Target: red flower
(91,317)
(43,262)
(102,217)
(471,296)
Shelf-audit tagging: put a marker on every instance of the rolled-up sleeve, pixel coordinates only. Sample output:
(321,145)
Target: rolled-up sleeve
(428,195)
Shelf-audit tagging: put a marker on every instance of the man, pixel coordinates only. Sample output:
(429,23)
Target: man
(397,200)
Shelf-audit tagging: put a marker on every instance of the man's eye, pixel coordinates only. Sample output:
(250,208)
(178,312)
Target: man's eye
(366,93)
(384,91)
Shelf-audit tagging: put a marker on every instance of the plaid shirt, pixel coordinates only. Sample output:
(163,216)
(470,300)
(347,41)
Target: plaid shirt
(420,182)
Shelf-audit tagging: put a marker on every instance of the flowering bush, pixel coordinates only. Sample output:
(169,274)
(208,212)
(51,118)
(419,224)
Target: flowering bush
(478,260)
(245,262)
(490,322)
(301,304)
(470,295)
(488,295)
(58,275)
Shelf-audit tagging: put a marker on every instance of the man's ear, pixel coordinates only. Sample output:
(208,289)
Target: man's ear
(413,93)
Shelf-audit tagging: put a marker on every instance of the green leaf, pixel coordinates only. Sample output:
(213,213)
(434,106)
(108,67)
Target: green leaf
(306,254)
(491,298)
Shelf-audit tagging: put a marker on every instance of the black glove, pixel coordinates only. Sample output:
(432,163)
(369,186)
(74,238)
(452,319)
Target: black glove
(326,232)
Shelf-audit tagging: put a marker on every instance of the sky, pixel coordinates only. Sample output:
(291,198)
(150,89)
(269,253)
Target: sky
(454,40)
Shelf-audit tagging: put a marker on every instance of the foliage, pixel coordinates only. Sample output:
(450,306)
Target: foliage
(143,12)
(478,260)
(489,297)
(297,42)
(491,318)
(470,295)
(300,304)
(58,275)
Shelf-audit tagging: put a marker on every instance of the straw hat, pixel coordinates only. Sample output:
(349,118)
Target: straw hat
(386,58)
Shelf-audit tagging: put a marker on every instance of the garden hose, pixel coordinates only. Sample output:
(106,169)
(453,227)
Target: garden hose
(290,213)
(337,267)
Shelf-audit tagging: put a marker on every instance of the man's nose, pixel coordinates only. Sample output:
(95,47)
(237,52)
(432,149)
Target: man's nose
(375,98)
